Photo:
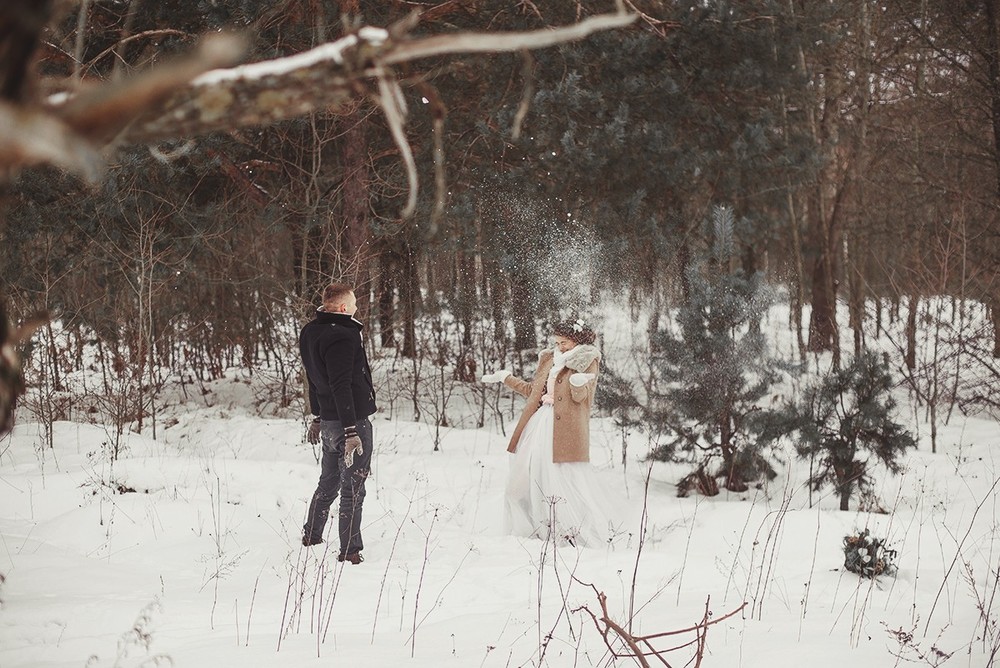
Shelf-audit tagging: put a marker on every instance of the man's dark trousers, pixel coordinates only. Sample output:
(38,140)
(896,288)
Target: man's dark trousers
(336,479)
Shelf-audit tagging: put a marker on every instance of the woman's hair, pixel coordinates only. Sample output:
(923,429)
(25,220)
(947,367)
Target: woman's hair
(575,330)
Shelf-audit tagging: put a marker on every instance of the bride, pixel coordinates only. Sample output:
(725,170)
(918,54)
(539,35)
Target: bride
(551,487)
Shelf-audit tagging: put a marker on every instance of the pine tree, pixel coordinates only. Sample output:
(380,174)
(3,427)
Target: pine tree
(616,397)
(717,369)
(842,418)
(639,132)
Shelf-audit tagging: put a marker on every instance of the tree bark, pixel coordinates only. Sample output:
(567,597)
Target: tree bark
(750,263)
(683,262)
(498,304)
(386,301)
(11,381)
(992,8)
(409,288)
(856,292)
(822,325)
(466,293)
(994,307)
(355,167)
(522,313)
(354,202)
(845,496)
(855,243)
(824,204)
(911,332)
(993,64)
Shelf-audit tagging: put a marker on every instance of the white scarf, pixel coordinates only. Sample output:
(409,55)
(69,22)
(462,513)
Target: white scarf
(559,359)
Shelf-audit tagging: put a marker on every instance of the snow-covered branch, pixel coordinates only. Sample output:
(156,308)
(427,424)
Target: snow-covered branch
(325,77)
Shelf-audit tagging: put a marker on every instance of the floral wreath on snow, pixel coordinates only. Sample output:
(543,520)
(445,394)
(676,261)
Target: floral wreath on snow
(868,556)
(576,330)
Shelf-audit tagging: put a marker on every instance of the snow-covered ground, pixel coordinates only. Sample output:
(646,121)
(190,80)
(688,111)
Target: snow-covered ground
(186,552)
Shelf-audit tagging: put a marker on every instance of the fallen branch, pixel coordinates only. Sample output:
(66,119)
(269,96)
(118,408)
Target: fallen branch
(635,642)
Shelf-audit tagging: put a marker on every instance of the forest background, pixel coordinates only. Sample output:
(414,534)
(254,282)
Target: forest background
(857,145)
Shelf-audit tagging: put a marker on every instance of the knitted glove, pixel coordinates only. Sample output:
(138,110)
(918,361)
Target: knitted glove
(352,445)
(312,434)
(496,377)
(581,379)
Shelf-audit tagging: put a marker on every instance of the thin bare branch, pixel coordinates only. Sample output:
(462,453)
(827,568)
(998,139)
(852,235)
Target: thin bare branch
(633,642)
(125,40)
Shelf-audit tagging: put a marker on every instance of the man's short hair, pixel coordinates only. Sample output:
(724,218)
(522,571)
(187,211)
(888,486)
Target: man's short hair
(336,293)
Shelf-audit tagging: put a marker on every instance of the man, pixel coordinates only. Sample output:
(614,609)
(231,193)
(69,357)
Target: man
(341,396)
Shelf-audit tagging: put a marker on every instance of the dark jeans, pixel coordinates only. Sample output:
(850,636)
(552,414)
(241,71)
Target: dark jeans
(336,479)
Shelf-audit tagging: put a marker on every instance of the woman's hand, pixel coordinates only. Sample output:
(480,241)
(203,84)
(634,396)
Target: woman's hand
(496,377)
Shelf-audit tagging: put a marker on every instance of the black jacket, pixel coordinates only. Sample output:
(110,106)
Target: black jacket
(340,380)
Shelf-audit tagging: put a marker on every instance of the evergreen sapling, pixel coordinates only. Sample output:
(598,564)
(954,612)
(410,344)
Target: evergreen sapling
(844,423)
(716,371)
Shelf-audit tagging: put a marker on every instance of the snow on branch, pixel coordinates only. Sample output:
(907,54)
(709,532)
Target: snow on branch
(205,93)
(327,76)
(503,42)
(330,75)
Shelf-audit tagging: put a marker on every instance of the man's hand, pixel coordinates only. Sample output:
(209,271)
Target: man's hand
(497,377)
(352,445)
(312,434)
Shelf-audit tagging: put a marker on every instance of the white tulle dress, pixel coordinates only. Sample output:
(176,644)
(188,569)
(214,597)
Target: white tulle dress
(568,502)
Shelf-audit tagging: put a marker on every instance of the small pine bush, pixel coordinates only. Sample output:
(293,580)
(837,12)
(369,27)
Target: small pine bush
(845,427)
(715,372)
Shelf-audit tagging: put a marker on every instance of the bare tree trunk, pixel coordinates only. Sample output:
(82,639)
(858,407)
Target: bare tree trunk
(993,62)
(522,313)
(994,307)
(466,293)
(857,308)
(822,325)
(386,301)
(684,261)
(795,214)
(992,8)
(409,287)
(750,265)
(854,248)
(300,263)
(431,300)
(845,497)
(823,208)
(799,291)
(911,332)
(11,378)
(354,207)
(498,303)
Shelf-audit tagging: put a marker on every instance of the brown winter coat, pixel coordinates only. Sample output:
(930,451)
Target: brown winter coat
(571,405)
